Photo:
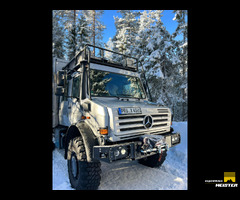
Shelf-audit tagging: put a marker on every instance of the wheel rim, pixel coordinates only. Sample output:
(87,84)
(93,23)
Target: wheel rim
(74,165)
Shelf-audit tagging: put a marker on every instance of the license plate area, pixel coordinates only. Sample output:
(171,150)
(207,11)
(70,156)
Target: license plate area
(126,111)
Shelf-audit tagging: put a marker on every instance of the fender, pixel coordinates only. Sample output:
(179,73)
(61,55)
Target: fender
(90,140)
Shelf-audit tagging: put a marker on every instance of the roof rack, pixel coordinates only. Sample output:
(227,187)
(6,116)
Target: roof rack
(85,56)
(128,62)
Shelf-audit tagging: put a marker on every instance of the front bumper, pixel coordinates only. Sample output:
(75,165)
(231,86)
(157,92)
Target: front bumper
(133,150)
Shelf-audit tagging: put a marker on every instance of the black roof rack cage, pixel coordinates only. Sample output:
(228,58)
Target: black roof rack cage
(128,62)
(85,56)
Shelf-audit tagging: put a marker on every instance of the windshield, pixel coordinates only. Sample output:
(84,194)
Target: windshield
(108,84)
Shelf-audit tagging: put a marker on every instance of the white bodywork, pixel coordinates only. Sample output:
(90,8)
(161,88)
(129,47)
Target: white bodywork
(129,126)
(104,112)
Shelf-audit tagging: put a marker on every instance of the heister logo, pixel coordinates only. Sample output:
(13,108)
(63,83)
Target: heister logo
(230,177)
(229,180)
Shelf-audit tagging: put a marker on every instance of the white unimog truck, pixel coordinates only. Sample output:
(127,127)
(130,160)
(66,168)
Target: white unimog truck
(102,111)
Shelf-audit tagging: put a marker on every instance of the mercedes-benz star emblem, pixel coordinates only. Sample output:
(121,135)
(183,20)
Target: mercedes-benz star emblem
(147,121)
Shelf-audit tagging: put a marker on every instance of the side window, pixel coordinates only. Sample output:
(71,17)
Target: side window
(76,87)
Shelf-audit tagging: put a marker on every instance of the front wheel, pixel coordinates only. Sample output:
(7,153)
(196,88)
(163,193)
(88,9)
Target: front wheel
(155,160)
(83,175)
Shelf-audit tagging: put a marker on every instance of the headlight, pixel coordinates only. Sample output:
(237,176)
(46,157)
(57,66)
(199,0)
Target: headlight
(123,151)
(175,138)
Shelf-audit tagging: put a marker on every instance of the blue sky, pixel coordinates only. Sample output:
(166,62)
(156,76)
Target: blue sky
(108,20)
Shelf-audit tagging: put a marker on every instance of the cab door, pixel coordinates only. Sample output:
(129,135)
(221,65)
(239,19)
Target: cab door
(74,102)
(65,101)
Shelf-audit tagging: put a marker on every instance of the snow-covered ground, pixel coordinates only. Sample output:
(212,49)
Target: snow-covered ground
(130,175)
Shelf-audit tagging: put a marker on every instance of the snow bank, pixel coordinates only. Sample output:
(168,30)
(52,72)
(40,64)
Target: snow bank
(181,127)
(176,162)
(127,175)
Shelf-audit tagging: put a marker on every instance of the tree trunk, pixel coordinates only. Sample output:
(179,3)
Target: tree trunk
(74,29)
(94,14)
(184,71)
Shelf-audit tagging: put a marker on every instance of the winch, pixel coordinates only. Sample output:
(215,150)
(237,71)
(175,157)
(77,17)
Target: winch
(153,143)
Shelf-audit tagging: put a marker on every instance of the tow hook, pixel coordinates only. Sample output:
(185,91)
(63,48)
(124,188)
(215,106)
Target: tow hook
(160,157)
(163,148)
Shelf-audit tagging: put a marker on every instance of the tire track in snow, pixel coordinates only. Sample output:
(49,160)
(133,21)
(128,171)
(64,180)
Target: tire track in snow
(120,175)
(134,176)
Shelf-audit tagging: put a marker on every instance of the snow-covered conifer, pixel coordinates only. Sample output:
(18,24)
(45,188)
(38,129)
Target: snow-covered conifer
(182,52)
(95,26)
(58,49)
(127,28)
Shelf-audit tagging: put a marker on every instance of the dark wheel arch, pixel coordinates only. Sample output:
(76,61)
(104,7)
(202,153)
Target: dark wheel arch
(83,130)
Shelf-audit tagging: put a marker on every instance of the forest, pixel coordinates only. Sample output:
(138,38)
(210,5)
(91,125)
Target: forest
(140,34)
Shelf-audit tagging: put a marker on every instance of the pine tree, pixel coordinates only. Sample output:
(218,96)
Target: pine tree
(109,45)
(58,34)
(96,26)
(180,17)
(127,28)
(77,28)
(156,51)
(158,62)
(82,31)
(143,36)
(71,36)
(71,42)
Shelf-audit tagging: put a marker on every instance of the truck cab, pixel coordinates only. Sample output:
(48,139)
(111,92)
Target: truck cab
(108,105)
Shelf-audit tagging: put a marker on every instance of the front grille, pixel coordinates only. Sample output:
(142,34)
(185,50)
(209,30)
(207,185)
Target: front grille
(132,125)
(162,110)
(129,129)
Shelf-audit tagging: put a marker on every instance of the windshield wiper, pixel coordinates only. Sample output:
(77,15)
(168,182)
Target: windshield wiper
(125,95)
(115,96)
(129,95)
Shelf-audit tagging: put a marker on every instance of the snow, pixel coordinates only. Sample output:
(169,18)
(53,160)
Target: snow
(130,175)
(184,45)
(157,72)
(150,46)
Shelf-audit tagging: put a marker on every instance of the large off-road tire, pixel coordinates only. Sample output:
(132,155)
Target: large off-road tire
(83,175)
(155,160)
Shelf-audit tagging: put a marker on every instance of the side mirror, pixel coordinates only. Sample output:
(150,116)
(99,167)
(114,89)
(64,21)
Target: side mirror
(60,77)
(59,91)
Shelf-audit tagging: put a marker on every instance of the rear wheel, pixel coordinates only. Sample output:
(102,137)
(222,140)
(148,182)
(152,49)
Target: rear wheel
(155,160)
(83,175)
